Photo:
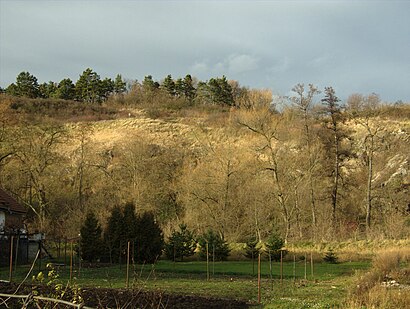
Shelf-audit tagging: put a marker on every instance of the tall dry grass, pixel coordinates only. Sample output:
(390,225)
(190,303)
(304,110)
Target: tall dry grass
(375,288)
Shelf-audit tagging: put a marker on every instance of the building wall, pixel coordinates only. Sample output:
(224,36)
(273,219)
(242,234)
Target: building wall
(14,221)
(2,219)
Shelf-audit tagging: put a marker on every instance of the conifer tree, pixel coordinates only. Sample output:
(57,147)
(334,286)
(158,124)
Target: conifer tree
(216,245)
(180,244)
(91,242)
(150,240)
(114,234)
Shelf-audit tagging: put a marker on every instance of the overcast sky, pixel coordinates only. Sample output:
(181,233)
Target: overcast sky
(354,46)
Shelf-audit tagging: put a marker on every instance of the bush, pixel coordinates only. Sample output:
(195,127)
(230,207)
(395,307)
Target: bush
(216,244)
(180,244)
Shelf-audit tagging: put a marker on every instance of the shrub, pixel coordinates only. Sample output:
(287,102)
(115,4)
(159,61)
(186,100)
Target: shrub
(216,244)
(180,244)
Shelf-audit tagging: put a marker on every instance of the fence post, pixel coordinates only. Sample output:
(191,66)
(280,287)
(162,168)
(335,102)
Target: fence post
(281,267)
(11,258)
(213,260)
(305,266)
(71,261)
(207,261)
(128,266)
(259,278)
(311,264)
(17,251)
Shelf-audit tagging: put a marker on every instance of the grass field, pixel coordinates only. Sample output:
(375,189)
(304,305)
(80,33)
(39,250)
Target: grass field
(238,280)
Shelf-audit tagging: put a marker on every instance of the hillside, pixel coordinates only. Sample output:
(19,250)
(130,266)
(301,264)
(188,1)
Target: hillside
(237,171)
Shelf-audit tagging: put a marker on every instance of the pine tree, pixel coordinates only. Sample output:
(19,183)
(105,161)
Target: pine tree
(180,244)
(27,85)
(114,234)
(188,88)
(216,245)
(169,85)
(91,242)
(149,241)
(88,86)
(65,90)
(274,246)
(119,85)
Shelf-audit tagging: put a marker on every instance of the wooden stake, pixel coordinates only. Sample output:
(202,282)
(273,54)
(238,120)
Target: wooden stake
(213,260)
(305,266)
(259,278)
(128,266)
(17,251)
(311,264)
(11,259)
(294,269)
(71,261)
(207,262)
(281,267)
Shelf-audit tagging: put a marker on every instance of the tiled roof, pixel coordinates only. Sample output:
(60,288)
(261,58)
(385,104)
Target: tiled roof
(10,204)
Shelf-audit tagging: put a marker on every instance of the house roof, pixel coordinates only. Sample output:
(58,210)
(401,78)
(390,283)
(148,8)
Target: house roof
(10,204)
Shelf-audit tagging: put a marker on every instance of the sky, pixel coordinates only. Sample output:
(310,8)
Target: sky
(353,46)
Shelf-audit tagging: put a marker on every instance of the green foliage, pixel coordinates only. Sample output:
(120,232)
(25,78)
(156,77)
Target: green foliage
(70,292)
(47,90)
(26,86)
(119,85)
(169,85)
(149,240)
(252,250)
(143,233)
(330,257)
(114,233)
(216,244)
(221,91)
(180,244)
(91,242)
(65,90)
(188,88)
(274,245)
(88,86)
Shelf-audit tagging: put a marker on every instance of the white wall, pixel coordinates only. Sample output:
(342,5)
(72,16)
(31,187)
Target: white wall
(2,219)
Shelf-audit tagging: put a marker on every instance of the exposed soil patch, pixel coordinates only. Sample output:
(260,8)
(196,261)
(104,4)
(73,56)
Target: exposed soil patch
(122,298)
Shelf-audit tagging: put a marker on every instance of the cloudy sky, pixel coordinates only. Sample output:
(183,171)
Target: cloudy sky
(354,46)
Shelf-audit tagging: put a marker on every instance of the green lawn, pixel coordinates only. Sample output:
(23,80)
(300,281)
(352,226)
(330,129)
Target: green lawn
(231,279)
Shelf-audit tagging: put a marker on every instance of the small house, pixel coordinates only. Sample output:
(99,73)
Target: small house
(11,213)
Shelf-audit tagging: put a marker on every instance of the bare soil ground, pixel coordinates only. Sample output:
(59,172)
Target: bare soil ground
(123,298)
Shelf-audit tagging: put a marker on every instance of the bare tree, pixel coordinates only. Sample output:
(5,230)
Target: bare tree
(303,101)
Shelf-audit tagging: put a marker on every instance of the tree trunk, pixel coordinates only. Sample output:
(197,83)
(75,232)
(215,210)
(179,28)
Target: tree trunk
(369,186)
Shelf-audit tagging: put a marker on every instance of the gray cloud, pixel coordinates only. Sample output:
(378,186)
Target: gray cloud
(355,46)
